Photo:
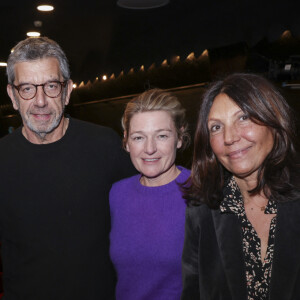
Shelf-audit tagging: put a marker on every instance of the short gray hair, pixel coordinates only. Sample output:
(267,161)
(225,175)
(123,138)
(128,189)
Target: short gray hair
(36,48)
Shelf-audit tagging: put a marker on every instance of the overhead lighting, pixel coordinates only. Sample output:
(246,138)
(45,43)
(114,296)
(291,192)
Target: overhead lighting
(141,4)
(38,23)
(3,64)
(33,34)
(205,53)
(191,56)
(45,7)
(104,77)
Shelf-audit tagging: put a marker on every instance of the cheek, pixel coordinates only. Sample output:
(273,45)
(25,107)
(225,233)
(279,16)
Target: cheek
(267,139)
(250,133)
(134,149)
(258,134)
(58,105)
(217,145)
(169,149)
(24,107)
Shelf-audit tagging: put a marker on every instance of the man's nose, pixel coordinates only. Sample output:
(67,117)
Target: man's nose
(40,97)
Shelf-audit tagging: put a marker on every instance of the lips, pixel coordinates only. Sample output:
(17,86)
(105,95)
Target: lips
(238,153)
(150,159)
(41,116)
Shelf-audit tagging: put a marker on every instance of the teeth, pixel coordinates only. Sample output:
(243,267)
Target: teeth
(150,159)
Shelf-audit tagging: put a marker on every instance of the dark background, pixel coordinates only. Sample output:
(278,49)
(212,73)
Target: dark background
(101,38)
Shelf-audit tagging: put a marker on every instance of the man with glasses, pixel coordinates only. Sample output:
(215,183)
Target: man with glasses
(55,176)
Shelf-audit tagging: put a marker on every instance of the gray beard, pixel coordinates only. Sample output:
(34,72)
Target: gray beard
(43,132)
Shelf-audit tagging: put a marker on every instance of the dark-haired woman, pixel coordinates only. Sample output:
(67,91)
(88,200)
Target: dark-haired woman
(243,223)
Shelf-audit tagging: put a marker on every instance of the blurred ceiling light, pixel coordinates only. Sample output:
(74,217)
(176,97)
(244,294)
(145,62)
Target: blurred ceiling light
(74,85)
(286,34)
(3,64)
(142,68)
(164,63)
(38,23)
(45,7)
(33,34)
(175,59)
(152,67)
(191,56)
(141,4)
(205,53)
(104,77)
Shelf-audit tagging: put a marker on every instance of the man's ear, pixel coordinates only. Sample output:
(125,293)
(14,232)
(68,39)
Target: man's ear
(69,90)
(11,95)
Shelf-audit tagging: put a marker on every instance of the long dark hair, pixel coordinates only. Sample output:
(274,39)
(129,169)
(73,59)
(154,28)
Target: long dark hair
(257,97)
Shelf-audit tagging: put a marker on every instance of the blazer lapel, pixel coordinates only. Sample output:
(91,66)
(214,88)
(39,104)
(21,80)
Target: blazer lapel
(229,237)
(286,261)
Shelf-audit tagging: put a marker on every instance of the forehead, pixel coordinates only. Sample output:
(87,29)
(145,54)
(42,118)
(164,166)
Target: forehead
(151,120)
(37,71)
(223,106)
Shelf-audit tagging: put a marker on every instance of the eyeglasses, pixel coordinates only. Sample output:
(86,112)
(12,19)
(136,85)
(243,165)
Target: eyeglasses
(52,89)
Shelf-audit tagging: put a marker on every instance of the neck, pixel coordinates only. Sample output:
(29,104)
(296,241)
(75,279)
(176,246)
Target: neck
(163,179)
(46,138)
(247,184)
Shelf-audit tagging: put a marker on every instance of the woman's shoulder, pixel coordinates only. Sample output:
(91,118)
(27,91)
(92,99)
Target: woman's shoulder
(184,175)
(184,169)
(125,184)
(199,212)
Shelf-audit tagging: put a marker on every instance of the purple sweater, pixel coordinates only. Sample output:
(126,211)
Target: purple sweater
(146,238)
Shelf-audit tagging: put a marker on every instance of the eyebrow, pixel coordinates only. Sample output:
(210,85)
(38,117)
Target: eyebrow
(156,131)
(236,113)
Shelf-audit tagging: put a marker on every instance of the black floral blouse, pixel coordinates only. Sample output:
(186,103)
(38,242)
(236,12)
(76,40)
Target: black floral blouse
(258,274)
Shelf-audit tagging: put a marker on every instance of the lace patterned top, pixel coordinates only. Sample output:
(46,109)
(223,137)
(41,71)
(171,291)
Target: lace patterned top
(258,273)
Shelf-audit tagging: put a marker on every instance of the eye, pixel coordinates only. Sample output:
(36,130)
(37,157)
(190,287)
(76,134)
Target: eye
(244,117)
(137,138)
(162,137)
(27,88)
(215,128)
(52,85)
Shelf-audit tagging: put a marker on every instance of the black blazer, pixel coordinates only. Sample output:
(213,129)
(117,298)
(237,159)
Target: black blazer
(213,260)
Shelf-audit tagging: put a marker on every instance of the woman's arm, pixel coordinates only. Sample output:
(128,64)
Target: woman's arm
(190,256)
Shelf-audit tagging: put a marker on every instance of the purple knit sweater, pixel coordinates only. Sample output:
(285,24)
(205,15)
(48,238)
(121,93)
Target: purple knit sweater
(146,238)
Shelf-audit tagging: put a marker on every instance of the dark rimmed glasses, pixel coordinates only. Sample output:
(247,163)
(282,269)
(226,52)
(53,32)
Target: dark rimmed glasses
(52,89)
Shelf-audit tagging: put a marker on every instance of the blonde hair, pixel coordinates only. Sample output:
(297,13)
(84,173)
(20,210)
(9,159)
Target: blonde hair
(157,100)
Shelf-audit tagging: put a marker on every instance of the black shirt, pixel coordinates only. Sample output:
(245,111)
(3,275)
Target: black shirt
(54,213)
